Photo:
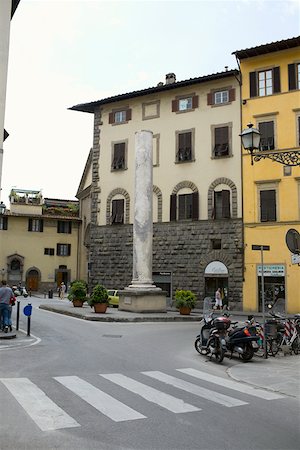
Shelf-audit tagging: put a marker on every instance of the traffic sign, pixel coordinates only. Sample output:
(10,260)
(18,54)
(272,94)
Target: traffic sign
(292,239)
(27,310)
(260,247)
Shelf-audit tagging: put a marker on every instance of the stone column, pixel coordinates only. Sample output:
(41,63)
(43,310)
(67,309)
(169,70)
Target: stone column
(142,295)
(143,215)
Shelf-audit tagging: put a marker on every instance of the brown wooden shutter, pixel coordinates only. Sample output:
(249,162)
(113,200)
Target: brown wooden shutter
(195,101)
(232,95)
(70,227)
(276,79)
(173,199)
(128,114)
(111,118)
(69,249)
(210,98)
(292,76)
(182,207)
(58,249)
(195,205)
(175,105)
(29,224)
(41,225)
(268,205)
(253,84)
(4,223)
(226,204)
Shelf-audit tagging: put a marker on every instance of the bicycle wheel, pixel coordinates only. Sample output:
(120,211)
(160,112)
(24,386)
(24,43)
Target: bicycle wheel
(296,345)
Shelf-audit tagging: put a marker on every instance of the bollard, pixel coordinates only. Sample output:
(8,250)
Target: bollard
(28,325)
(18,315)
(27,312)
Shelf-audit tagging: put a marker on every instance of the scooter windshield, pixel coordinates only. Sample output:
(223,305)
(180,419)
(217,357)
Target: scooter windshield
(207,307)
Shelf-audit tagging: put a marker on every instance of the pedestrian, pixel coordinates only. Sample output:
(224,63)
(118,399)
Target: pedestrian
(5,295)
(62,290)
(218,299)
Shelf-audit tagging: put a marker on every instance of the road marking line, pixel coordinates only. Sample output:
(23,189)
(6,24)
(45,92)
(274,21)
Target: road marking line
(235,385)
(196,390)
(173,404)
(45,413)
(103,402)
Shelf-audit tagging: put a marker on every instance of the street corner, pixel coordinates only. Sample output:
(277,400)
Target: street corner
(280,374)
(17,339)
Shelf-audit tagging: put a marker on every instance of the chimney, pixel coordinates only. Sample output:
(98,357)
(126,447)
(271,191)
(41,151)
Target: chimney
(170,78)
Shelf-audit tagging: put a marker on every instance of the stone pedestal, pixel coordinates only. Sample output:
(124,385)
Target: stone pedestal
(142,300)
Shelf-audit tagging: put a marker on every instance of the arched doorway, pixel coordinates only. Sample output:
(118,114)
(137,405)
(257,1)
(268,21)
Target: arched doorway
(32,280)
(216,276)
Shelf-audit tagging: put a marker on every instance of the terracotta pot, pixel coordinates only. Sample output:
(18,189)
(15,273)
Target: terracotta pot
(185,310)
(100,307)
(77,303)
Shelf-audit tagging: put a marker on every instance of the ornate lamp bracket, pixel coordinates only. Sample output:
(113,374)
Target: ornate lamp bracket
(287,158)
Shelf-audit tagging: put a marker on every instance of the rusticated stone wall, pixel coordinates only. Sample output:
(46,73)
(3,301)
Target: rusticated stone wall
(184,248)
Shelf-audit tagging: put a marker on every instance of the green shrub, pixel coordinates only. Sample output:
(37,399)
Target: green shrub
(78,290)
(98,295)
(185,298)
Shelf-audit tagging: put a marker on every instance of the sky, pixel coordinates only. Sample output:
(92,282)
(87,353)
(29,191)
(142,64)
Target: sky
(63,53)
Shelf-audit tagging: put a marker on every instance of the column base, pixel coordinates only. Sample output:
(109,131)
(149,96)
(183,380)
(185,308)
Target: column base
(143,300)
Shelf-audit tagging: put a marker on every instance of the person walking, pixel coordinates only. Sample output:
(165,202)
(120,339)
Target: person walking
(5,295)
(62,290)
(218,299)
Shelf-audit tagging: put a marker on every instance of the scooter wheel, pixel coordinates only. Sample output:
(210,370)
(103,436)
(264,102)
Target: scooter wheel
(248,353)
(198,345)
(218,353)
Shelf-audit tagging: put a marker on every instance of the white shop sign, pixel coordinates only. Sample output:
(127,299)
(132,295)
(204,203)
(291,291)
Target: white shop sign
(272,270)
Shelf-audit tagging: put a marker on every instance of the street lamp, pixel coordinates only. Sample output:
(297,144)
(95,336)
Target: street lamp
(2,208)
(250,139)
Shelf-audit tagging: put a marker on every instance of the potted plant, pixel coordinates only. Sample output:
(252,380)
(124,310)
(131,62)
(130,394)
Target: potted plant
(77,293)
(185,301)
(99,299)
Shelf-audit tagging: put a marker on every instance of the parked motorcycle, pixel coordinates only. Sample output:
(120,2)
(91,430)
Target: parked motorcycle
(19,290)
(242,340)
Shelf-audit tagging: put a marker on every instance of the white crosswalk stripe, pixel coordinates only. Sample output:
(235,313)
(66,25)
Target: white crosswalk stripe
(45,413)
(234,385)
(208,394)
(103,402)
(166,401)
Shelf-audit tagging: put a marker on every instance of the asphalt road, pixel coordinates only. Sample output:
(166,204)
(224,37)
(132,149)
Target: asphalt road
(112,386)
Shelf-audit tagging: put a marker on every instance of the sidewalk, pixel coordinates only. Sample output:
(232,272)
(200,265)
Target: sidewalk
(280,374)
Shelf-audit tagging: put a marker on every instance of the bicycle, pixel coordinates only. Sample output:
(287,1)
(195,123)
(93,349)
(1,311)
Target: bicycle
(289,340)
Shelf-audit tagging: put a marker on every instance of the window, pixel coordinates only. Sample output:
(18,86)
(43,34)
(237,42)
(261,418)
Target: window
(184,146)
(119,116)
(63,249)
(117,215)
(264,82)
(268,205)
(294,76)
(266,130)
(298,131)
(35,225)
(49,251)
(221,97)
(287,171)
(221,208)
(221,141)
(184,206)
(64,227)
(119,156)
(188,103)
(3,223)
(216,244)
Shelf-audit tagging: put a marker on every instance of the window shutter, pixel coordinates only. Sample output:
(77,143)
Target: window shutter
(173,207)
(195,101)
(69,227)
(128,114)
(58,249)
(268,205)
(41,225)
(69,249)
(175,105)
(226,204)
(181,207)
(210,98)
(195,205)
(4,223)
(253,85)
(299,130)
(266,130)
(29,224)
(292,76)
(111,118)
(276,79)
(232,95)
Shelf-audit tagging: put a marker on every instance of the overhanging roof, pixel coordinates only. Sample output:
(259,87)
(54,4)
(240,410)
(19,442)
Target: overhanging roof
(14,5)
(90,107)
(268,48)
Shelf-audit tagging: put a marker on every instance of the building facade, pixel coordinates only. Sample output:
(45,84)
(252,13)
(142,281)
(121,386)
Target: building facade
(197,206)
(39,241)
(271,191)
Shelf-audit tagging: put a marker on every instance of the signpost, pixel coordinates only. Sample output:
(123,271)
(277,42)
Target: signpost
(27,310)
(263,248)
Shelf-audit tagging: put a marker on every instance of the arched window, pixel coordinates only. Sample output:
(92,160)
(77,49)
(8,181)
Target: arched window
(184,202)
(222,199)
(117,207)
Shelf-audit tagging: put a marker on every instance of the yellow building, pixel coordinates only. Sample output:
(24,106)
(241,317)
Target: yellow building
(271,188)
(39,241)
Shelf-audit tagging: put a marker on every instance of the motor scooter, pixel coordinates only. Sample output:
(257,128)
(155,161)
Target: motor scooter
(242,340)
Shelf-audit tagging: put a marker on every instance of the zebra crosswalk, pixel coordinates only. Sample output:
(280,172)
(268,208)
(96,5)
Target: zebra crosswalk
(49,416)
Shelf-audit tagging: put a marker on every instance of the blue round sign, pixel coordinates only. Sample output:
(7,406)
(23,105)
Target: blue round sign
(27,310)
